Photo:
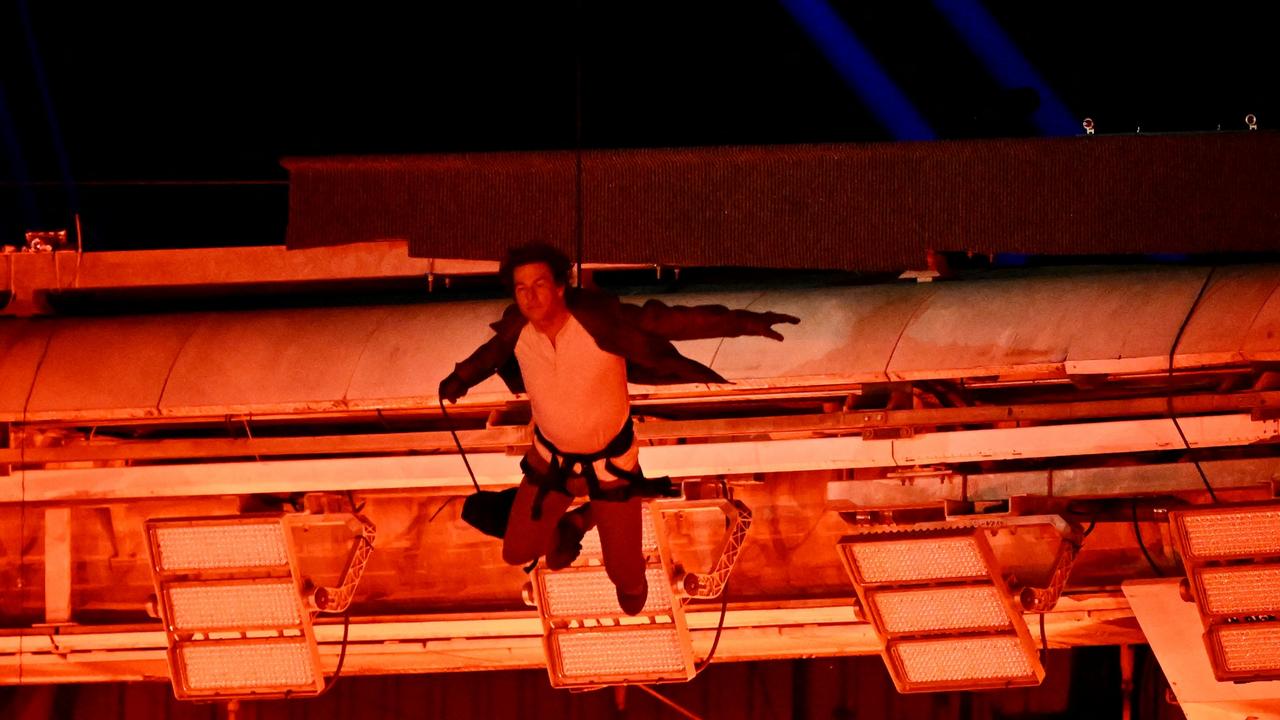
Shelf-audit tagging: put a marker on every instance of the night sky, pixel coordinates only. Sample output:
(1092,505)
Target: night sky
(108,92)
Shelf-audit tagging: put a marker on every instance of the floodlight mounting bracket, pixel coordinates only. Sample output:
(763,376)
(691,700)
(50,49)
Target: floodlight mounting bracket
(1036,570)
(738,521)
(337,598)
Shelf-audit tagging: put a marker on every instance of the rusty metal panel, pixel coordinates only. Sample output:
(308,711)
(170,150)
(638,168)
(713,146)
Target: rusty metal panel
(404,357)
(1131,319)
(1231,315)
(288,359)
(845,335)
(1262,341)
(22,344)
(107,367)
(989,328)
(1050,324)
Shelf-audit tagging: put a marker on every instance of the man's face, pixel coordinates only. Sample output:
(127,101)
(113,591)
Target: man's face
(540,299)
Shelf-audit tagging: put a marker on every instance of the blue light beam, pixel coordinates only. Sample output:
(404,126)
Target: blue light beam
(859,69)
(46,98)
(1007,65)
(17,164)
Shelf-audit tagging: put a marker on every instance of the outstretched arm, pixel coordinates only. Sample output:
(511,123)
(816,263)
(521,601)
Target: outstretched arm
(684,322)
(485,361)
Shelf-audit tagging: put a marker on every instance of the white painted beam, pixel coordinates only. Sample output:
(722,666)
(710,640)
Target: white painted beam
(513,641)
(57,565)
(678,461)
(1175,632)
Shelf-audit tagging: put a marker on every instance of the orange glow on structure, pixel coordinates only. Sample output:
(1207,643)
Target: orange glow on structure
(941,609)
(1232,558)
(230,597)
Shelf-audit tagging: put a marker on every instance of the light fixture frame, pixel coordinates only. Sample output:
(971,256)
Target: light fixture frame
(562,680)
(1195,564)
(176,639)
(183,690)
(875,612)
(1218,659)
(1196,581)
(673,618)
(899,673)
(171,585)
(930,532)
(1177,527)
(543,579)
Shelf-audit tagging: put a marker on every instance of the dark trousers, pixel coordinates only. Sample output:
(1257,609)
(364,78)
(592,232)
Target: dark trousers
(619,523)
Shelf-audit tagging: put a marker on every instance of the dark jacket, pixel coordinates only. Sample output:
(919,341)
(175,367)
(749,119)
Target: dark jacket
(641,335)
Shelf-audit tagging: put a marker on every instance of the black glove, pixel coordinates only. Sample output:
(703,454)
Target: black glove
(452,388)
(767,320)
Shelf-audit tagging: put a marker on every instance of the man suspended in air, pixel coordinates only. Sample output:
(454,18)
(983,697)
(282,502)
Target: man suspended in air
(573,351)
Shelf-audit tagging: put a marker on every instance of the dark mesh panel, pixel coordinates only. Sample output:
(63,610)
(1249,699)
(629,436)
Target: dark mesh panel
(856,207)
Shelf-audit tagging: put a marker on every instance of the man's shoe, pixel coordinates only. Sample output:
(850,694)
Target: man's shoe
(569,535)
(633,603)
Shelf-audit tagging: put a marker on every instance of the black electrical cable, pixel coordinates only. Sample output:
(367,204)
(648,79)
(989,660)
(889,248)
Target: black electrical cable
(1137,531)
(1203,478)
(1092,524)
(1169,396)
(724,600)
(1044,643)
(458,442)
(351,500)
(342,654)
(579,231)
(724,608)
(440,509)
(577,168)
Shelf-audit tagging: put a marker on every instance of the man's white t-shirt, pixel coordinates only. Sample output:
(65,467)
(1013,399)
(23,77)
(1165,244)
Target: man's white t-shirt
(577,391)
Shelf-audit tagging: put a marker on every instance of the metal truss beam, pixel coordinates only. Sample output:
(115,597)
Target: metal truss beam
(681,461)
(513,641)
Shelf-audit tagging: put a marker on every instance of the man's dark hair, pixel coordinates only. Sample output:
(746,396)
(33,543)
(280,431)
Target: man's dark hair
(529,254)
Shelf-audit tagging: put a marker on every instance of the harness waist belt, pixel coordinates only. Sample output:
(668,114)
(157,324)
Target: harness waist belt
(564,465)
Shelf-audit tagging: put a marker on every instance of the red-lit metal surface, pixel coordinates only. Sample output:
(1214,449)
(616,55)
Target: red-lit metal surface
(389,357)
(863,207)
(978,395)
